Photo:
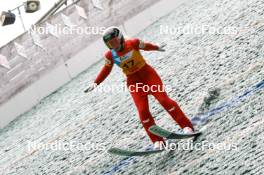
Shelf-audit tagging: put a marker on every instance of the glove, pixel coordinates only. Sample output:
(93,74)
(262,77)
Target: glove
(91,87)
(161,47)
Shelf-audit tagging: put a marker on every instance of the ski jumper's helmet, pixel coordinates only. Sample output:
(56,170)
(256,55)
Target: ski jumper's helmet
(112,36)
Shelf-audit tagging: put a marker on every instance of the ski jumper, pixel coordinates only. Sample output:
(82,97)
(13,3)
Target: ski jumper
(140,74)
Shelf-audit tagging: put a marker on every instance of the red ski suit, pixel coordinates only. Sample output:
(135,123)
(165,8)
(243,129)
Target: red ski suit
(140,74)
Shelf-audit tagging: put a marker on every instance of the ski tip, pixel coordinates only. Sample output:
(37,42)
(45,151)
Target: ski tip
(203,129)
(130,153)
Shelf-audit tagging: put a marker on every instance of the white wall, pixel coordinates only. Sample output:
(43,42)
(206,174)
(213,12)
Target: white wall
(63,73)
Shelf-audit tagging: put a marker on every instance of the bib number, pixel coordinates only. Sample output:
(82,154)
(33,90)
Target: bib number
(129,64)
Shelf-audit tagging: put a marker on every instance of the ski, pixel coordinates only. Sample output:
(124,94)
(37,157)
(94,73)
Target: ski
(159,132)
(169,135)
(130,153)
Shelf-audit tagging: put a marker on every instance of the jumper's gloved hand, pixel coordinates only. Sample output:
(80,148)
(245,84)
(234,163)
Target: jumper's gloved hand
(91,87)
(161,47)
